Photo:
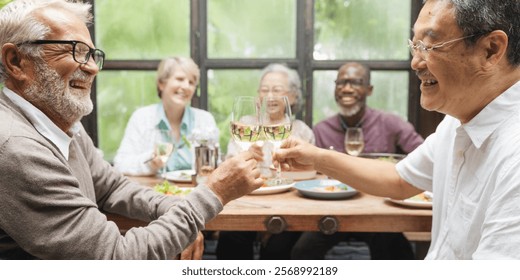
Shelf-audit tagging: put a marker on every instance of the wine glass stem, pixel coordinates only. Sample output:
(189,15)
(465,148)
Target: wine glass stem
(278,171)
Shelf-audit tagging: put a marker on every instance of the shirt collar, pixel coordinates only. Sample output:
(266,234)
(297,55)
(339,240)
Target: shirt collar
(42,123)
(186,122)
(486,122)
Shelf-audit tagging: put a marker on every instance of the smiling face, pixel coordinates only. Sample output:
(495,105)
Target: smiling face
(273,86)
(352,88)
(58,85)
(178,89)
(449,75)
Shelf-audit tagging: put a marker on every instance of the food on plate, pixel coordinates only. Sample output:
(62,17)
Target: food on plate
(168,189)
(424,197)
(332,188)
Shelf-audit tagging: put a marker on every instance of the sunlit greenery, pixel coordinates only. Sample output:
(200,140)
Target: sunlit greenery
(4,2)
(142,29)
(251,28)
(361,29)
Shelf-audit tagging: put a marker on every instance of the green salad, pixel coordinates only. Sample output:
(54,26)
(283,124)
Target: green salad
(168,189)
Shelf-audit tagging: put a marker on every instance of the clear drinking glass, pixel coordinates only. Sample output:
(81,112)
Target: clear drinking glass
(275,117)
(163,147)
(354,141)
(245,124)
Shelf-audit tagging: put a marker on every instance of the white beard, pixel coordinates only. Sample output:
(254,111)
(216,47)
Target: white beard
(50,91)
(350,111)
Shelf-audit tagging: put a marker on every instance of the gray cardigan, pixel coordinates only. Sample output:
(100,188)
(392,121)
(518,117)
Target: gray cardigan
(50,208)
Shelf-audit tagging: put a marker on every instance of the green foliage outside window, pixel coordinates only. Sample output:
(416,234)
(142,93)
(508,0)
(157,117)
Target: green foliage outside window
(142,29)
(361,29)
(251,28)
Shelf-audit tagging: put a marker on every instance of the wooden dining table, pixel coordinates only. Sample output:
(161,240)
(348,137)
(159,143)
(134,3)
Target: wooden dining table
(290,211)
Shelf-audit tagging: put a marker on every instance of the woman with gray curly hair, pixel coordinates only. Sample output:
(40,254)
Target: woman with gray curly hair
(280,80)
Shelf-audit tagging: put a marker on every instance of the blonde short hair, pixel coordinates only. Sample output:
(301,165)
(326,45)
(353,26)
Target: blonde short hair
(169,64)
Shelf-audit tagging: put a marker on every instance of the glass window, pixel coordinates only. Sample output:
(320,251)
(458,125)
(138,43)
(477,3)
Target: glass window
(390,93)
(361,29)
(119,94)
(251,28)
(223,86)
(150,29)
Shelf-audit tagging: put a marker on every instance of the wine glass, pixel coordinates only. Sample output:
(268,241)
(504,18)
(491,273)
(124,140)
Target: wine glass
(163,147)
(245,125)
(354,142)
(275,117)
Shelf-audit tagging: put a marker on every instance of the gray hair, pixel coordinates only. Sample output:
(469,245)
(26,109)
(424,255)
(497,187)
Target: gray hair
(483,16)
(294,82)
(169,64)
(18,24)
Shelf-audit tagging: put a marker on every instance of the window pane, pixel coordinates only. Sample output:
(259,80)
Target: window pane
(119,94)
(251,28)
(223,86)
(142,29)
(390,93)
(362,29)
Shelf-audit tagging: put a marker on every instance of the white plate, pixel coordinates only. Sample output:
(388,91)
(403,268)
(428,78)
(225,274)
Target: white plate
(179,175)
(412,203)
(312,189)
(273,189)
(299,175)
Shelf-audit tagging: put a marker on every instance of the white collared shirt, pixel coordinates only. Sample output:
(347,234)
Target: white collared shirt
(474,173)
(42,123)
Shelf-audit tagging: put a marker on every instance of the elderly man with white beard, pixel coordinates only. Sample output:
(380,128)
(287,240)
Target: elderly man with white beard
(54,184)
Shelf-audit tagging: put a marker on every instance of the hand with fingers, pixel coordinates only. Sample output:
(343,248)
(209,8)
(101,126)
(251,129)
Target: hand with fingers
(296,154)
(235,177)
(195,250)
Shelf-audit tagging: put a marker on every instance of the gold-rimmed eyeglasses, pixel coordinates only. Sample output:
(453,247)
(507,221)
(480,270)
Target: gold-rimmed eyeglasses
(420,47)
(81,52)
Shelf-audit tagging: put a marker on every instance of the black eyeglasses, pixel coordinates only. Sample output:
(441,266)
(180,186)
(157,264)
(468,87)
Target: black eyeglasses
(354,83)
(81,52)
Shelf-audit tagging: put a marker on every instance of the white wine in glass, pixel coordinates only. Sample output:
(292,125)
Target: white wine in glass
(275,117)
(354,141)
(245,126)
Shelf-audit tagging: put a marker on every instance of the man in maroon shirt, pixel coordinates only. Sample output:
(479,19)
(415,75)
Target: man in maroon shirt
(383,133)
